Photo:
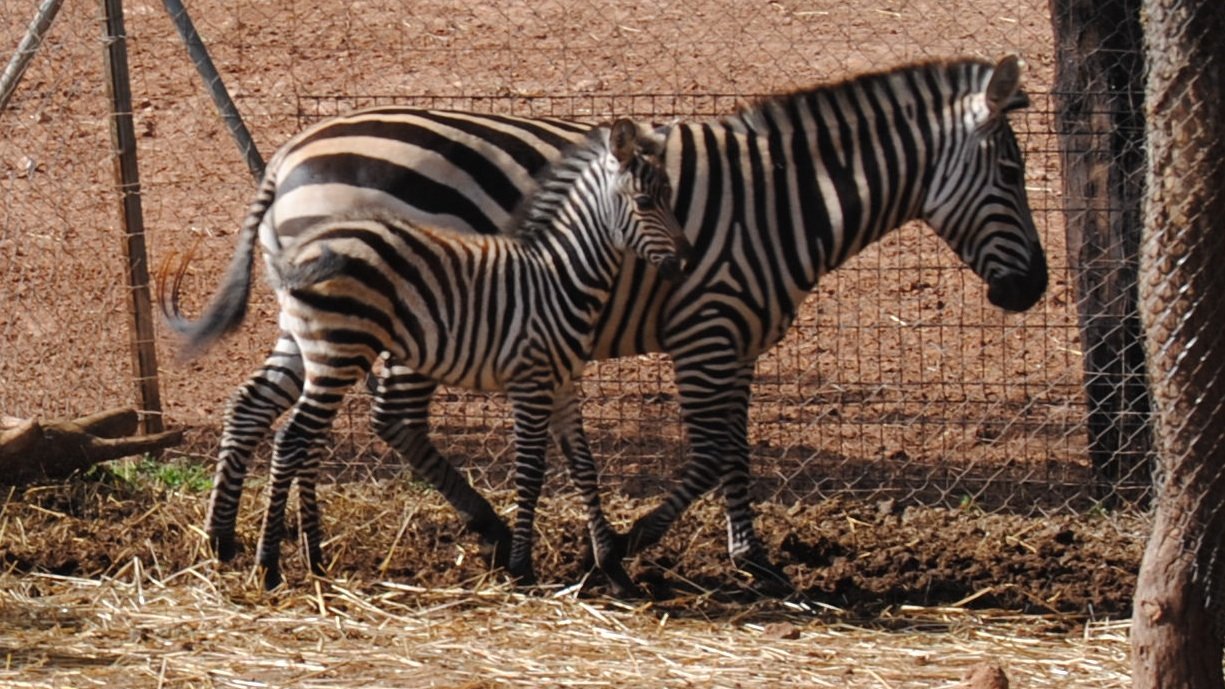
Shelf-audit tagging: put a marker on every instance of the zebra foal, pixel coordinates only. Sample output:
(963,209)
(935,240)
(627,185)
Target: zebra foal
(495,313)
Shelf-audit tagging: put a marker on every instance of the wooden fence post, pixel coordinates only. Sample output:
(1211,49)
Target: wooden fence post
(1099,116)
(123,141)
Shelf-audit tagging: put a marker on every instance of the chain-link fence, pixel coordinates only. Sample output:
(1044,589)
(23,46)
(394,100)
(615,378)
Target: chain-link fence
(898,379)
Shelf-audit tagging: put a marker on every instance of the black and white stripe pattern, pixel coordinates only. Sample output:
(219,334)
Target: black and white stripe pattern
(497,313)
(771,197)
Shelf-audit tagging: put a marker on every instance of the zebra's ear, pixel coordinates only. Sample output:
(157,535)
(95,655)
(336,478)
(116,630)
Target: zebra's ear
(623,140)
(1004,89)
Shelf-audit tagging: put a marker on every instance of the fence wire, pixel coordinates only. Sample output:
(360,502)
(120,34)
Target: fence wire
(898,379)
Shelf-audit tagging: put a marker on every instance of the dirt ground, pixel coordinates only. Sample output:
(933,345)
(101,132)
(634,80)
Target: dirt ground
(864,559)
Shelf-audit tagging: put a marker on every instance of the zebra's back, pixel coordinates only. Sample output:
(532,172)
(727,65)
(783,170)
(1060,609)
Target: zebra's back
(448,169)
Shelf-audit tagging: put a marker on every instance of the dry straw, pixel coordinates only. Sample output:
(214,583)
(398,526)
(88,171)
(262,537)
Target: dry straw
(417,609)
(200,628)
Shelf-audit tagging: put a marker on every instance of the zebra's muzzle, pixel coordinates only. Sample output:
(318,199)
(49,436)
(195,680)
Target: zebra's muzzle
(1020,291)
(673,268)
(678,266)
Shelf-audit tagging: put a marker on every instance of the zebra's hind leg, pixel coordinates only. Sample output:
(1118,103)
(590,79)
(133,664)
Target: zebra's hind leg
(296,457)
(401,419)
(607,545)
(249,416)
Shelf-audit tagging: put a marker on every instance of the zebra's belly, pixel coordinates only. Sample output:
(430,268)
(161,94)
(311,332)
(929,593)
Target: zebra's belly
(465,365)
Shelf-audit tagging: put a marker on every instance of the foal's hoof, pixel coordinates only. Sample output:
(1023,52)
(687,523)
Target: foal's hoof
(223,546)
(272,577)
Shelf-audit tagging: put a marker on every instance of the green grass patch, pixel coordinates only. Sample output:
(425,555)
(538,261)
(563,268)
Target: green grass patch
(185,474)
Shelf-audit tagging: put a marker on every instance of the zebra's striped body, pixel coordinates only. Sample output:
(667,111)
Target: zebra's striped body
(484,312)
(771,198)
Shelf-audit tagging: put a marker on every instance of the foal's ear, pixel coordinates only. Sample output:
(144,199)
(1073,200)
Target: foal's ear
(1004,89)
(623,140)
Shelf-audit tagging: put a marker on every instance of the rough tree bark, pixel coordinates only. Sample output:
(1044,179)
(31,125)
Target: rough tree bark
(1099,86)
(1177,622)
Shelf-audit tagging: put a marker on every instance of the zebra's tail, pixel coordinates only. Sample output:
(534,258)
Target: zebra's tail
(229,304)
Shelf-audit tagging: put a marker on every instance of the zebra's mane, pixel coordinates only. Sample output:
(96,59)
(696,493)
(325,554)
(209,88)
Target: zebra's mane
(536,211)
(960,75)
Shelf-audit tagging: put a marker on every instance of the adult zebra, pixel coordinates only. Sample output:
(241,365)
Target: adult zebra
(498,313)
(771,197)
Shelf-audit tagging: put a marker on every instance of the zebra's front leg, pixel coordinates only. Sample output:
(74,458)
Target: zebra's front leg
(608,546)
(714,407)
(745,548)
(295,456)
(249,416)
(401,419)
(531,405)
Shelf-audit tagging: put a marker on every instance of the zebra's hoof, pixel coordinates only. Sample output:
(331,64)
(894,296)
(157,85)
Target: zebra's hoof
(272,577)
(223,546)
(316,563)
(522,575)
(495,542)
(496,555)
(622,585)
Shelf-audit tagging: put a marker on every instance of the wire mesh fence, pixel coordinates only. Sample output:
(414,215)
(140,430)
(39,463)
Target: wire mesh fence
(898,380)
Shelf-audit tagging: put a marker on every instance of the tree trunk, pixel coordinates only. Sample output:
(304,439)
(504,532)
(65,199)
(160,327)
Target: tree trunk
(1177,618)
(1099,86)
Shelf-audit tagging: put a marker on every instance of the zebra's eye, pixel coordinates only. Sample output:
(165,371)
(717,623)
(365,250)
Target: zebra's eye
(644,202)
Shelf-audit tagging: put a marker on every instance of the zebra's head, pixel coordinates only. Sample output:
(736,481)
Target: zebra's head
(976,200)
(643,196)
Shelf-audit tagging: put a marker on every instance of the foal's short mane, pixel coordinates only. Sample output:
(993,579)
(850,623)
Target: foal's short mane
(554,182)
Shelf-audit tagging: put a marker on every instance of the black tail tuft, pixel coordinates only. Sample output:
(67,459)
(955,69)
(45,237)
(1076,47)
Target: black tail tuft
(229,305)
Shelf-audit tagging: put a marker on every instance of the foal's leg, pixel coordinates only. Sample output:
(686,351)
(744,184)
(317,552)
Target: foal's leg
(249,416)
(296,456)
(607,544)
(531,405)
(401,419)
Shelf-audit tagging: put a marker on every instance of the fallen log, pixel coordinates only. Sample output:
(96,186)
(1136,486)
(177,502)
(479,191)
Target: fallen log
(33,451)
